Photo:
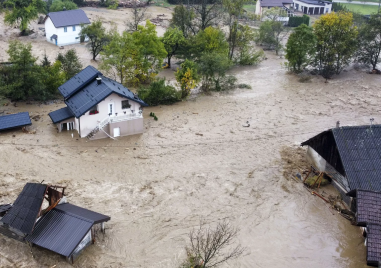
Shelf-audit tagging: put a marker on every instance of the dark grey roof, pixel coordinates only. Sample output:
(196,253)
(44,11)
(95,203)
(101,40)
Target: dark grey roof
(68,18)
(353,151)
(4,209)
(14,120)
(373,246)
(78,81)
(89,215)
(368,207)
(275,3)
(23,214)
(59,232)
(61,115)
(92,94)
(64,227)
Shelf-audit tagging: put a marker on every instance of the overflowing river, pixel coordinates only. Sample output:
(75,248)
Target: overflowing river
(199,162)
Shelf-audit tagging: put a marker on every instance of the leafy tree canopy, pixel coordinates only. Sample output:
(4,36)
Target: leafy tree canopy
(173,39)
(71,64)
(58,5)
(97,35)
(21,12)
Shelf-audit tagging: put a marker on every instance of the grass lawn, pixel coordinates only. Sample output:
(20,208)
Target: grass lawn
(363,9)
(249,8)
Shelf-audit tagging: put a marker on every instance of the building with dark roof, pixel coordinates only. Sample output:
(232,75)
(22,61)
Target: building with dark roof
(354,152)
(60,227)
(14,121)
(63,27)
(98,107)
(367,206)
(313,7)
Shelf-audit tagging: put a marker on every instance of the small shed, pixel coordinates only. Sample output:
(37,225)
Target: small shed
(11,121)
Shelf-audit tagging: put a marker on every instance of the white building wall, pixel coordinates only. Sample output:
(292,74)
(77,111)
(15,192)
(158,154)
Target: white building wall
(50,30)
(64,38)
(258,9)
(327,7)
(89,122)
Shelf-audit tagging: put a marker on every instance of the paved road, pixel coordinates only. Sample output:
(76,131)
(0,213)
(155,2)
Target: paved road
(356,2)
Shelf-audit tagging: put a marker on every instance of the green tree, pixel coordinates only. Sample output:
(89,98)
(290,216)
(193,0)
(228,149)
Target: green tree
(22,76)
(182,18)
(134,57)
(207,13)
(52,77)
(138,15)
(207,41)
(234,10)
(247,54)
(117,57)
(300,46)
(21,12)
(97,35)
(336,42)
(369,41)
(270,34)
(173,39)
(151,52)
(58,5)
(187,77)
(213,67)
(71,64)
(159,93)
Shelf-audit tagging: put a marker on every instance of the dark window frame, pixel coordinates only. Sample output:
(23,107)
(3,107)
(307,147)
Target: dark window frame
(94,110)
(124,106)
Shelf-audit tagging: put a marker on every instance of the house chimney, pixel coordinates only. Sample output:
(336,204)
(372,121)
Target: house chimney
(337,124)
(371,121)
(99,80)
(64,8)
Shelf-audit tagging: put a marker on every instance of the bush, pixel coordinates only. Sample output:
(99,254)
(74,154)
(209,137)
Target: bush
(304,78)
(159,93)
(244,86)
(296,21)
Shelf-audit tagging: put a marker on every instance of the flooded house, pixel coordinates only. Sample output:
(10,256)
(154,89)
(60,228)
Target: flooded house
(55,225)
(98,107)
(351,157)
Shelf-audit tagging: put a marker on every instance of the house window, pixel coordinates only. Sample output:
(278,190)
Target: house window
(94,110)
(326,10)
(65,29)
(126,104)
(73,28)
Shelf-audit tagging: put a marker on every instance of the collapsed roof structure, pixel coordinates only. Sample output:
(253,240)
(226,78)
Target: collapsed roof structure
(351,157)
(61,227)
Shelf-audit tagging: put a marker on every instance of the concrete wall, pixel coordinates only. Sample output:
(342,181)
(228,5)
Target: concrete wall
(89,122)
(129,127)
(64,38)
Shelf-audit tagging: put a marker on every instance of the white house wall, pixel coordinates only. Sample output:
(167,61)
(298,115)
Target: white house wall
(258,9)
(89,122)
(50,30)
(64,38)
(302,4)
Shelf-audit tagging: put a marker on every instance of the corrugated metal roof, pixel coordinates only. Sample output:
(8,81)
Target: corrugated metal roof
(373,246)
(61,115)
(68,18)
(59,232)
(14,120)
(23,214)
(78,81)
(82,213)
(315,2)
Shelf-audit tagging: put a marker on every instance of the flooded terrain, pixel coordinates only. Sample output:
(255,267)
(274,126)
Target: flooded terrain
(199,162)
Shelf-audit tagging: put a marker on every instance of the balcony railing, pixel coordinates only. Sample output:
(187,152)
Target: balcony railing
(125,117)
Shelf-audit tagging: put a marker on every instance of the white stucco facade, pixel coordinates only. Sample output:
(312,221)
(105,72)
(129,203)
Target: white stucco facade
(311,8)
(127,121)
(65,35)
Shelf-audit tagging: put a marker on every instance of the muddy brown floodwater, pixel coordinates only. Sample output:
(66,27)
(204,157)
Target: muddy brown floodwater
(158,185)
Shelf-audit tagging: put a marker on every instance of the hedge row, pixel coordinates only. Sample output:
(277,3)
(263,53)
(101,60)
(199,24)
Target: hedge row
(296,21)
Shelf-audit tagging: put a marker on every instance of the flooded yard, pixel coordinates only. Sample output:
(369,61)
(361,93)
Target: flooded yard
(199,162)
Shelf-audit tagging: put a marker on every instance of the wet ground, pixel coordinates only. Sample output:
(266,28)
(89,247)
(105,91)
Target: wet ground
(199,162)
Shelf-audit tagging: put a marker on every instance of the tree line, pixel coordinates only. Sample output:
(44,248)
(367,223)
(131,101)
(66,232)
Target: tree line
(334,42)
